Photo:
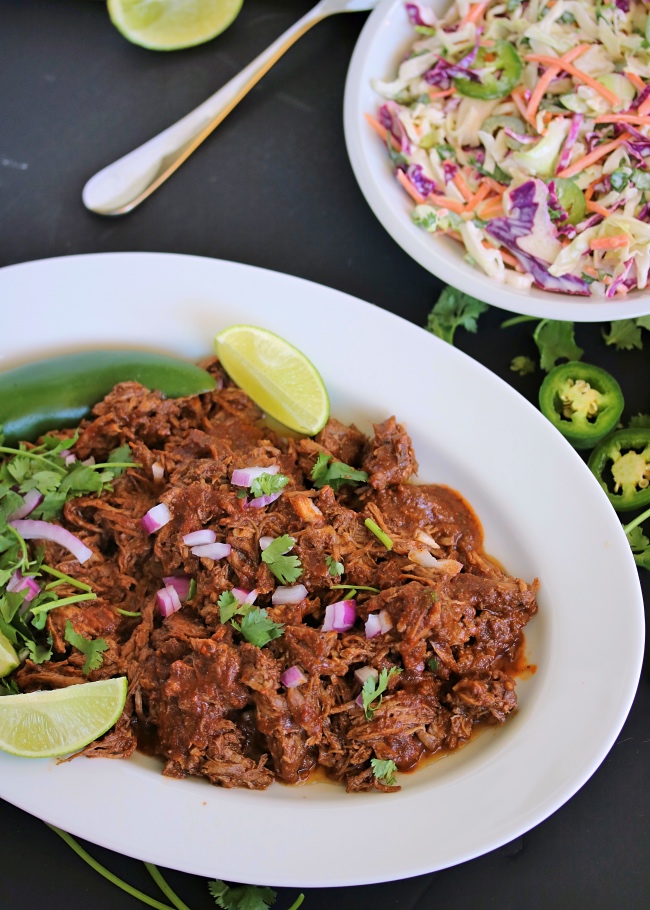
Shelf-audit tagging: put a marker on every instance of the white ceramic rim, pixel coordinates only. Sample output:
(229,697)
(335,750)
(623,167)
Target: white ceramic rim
(543,513)
(386,36)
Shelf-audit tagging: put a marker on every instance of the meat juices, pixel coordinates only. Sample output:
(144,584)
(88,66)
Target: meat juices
(211,704)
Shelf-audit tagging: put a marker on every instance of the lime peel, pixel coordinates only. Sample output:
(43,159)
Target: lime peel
(170,25)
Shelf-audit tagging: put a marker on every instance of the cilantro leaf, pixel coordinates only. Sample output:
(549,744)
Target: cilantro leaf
(266,484)
(373,689)
(452,310)
(498,174)
(384,771)
(92,649)
(334,568)
(120,457)
(433,664)
(241,897)
(640,421)
(643,322)
(332,473)
(522,365)
(640,547)
(229,606)
(286,569)
(555,341)
(624,334)
(257,628)
(38,654)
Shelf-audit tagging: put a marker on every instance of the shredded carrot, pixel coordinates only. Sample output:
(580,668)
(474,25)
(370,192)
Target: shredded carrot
(410,189)
(447,91)
(495,185)
(621,289)
(609,243)
(510,260)
(448,203)
(455,236)
(518,97)
(636,81)
(597,209)
(549,75)
(589,192)
(577,74)
(644,108)
(492,208)
(599,152)
(591,271)
(607,279)
(381,131)
(478,196)
(624,118)
(459,182)
(474,13)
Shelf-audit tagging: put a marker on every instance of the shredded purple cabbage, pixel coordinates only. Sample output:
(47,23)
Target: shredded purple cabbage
(524,138)
(570,141)
(450,170)
(558,213)
(623,5)
(419,14)
(638,101)
(611,290)
(388,117)
(519,223)
(443,72)
(420,181)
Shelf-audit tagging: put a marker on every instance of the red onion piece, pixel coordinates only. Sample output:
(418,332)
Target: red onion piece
(423,558)
(340,617)
(180,583)
(262,501)
(157,471)
(293,677)
(385,621)
(44,530)
(70,458)
(359,700)
(89,461)
(245,597)
(244,477)
(373,625)
(265,542)
(18,582)
(167,601)
(30,501)
(212,550)
(289,594)
(195,538)
(364,673)
(156,518)
(426,539)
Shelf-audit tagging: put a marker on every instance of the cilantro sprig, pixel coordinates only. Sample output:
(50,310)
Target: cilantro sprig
(453,310)
(93,649)
(334,568)
(373,689)
(384,771)
(266,484)
(332,473)
(255,625)
(286,569)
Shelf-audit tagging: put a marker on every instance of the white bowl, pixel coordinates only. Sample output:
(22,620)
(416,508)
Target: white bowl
(382,45)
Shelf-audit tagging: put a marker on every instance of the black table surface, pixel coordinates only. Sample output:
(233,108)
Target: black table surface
(273,187)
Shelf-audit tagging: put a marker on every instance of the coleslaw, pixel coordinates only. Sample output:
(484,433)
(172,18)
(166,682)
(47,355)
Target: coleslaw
(521,129)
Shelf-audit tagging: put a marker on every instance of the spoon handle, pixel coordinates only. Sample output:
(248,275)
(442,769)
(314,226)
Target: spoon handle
(125,183)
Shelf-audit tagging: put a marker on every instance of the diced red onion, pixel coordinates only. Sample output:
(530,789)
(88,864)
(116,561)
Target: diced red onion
(45,530)
(18,582)
(212,550)
(30,500)
(156,518)
(64,454)
(385,621)
(157,471)
(423,558)
(359,700)
(195,538)
(243,477)
(425,538)
(243,596)
(293,677)
(340,617)
(265,542)
(70,458)
(89,461)
(167,601)
(262,501)
(373,625)
(364,673)
(289,594)
(180,583)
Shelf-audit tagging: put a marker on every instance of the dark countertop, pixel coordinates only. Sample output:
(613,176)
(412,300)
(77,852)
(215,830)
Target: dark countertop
(273,188)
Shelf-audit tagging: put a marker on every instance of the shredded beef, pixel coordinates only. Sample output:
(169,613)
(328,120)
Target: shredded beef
(210,703)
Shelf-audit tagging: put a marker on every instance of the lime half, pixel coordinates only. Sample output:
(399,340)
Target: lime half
(45,724)
(8,657)
(277,376)
(169,25)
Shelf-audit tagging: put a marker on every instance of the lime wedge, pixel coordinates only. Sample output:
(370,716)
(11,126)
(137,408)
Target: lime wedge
(44,724)
(8,657)
(169,25)
(277,376)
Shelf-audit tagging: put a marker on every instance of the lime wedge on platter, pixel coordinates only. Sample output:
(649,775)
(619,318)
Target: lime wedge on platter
(170,25)
(276,375)
(8,657)
(60,721)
